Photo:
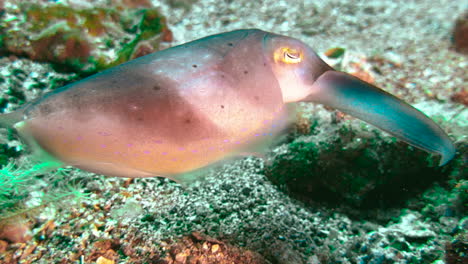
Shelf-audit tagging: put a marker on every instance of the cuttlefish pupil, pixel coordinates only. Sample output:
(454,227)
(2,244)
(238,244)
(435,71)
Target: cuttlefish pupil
(184,108)
(292,56)
(287,55)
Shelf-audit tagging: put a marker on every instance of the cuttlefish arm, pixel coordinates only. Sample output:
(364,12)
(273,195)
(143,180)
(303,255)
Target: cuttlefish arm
(298,66)
(383,110)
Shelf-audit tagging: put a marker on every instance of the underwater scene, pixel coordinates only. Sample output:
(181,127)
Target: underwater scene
(233,131)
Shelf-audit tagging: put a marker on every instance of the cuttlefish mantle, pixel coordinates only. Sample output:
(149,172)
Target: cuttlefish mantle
(181,109)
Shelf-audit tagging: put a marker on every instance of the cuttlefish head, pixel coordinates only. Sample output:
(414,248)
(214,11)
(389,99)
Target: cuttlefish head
(304,77)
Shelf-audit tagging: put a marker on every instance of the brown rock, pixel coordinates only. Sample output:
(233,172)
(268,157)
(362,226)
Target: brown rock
(167,35)
(362,74)
(103,245)
(103,260)
(460,97)
(15,232)
(214,248)
(460,34)
(181,258)
(3,246)
(103,249)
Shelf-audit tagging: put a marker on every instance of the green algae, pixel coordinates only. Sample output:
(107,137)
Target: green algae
(354,167)
(22,199)
(150,25)
(1,40)
(335,53)
(80,39)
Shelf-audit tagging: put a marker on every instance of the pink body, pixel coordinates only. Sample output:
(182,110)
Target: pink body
(164,114)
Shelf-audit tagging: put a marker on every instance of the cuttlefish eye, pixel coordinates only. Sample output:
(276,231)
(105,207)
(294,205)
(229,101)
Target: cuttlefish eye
(288,55)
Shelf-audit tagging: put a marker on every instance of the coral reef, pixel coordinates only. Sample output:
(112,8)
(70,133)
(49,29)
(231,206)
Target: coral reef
(82,39)
(346,161)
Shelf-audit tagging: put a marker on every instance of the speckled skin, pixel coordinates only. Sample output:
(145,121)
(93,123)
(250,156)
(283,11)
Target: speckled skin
(166,113)
(178,110)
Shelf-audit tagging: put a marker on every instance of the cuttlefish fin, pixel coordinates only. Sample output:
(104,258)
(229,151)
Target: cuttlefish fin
(16,120)
(47,161)
(8,120)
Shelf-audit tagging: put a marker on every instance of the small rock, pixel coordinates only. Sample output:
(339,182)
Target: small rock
(205,246)
(15,232)
(460,97)
(103,260)
(393,58)
(334,53)
(363,75)
(181,258)
(3,246)
(460,33)
(103,244)
(214,248)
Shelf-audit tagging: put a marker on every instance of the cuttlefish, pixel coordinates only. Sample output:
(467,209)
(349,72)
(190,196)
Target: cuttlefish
(182,109)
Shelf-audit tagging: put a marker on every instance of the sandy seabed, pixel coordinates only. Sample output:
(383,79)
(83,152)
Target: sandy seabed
(235,215)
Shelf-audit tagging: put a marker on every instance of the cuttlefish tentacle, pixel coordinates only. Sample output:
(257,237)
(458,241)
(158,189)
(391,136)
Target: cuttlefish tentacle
(383,110)
(184,108)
